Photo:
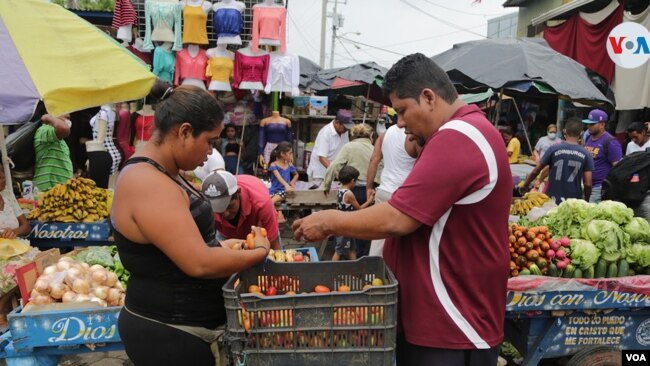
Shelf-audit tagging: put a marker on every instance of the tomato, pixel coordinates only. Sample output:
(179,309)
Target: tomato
(343,288)
(298,258)
(271,291)
(250,241)
(263,231)
(321,289)
(254,288)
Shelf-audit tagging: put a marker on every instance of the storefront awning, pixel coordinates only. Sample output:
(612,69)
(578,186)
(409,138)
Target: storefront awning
(559,11)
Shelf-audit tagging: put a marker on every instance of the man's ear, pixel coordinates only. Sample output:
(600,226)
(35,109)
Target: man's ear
(428,96)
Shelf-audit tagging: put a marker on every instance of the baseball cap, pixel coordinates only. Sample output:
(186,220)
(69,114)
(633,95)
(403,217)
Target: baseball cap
(218,187)
(596,116)
(345,117)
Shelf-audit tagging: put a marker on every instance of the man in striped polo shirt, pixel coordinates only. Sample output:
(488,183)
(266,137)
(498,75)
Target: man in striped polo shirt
(53,164)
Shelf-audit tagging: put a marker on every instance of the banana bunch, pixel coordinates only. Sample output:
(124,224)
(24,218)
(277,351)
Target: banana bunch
(530,200)
(77,200)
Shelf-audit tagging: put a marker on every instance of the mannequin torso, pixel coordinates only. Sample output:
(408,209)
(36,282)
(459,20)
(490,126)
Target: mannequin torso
(269,41)
(198,60)
(217,64)
(205,5)
(275,129)
(195,18)
(251,85)
(167,46)
(219,19)
(99,125)
(143,126)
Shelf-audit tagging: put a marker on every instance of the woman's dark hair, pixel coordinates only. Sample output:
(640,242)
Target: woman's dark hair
(282,148)
(230,125)
(414,73)
(347,174)
(187,103)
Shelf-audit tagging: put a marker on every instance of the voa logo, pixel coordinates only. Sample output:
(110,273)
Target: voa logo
(628,45)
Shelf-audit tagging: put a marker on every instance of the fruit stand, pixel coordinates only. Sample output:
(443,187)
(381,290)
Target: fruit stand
(72,214)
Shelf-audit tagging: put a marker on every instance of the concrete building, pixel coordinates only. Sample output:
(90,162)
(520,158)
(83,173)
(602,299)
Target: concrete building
(504,26)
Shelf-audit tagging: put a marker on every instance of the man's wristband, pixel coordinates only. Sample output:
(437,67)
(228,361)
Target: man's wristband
(265,250)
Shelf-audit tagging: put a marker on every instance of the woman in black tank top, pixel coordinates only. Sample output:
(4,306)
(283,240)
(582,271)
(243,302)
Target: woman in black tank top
(164,232)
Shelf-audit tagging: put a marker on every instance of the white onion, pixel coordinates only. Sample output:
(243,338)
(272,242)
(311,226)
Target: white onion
(41,285)
(58,289)
(81,287)
(101,292)
(99,301)
(82,298)
(42,300)
(63,266)
(100,276)
(50,270)
(118,285)
(69,296)
(111,280)
(85,266)
(113,295)
(121,303)
(67,259)
(75,272)
(96,267)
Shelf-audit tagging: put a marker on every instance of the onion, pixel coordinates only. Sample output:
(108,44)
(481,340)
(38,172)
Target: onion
(41,285)
(58,289)
(75,272)
(99,301)
(67,259)
(111,279)
(85,266)
(100,275)
(101,292)
(96,267)
(81,287)
(82,298)
(118,285)
(50,270)
(113,295)
(63,266)
(42,300)
(69,296)
(121,303)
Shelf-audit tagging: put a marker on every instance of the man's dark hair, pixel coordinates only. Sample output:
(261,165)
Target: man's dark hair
(347,174)
(507,131)
(415,72)
(637,127)
(573,127)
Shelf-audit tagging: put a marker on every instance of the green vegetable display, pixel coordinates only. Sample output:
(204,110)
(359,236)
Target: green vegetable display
(639,230)
(584,253)
(106,257)
(608,237)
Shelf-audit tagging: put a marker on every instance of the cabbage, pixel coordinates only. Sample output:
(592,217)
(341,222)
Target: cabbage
(613,211)
(584,253)
(639,253)
(608,237)
(639,230)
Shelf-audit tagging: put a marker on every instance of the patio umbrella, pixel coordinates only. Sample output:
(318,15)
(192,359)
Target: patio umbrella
(524,66)
(51,54)
(365,79)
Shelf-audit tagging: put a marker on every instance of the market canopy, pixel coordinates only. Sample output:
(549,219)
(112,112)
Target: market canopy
(364,79)
(527,66)
(51,54)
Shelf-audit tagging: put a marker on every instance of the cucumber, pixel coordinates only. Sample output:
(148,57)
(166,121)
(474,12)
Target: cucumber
(601,269)
(534,270)
(552,270)
(623,268)
(630,272)
(612,270)
(577,273)
(524,272)
(568,271)
(589,272)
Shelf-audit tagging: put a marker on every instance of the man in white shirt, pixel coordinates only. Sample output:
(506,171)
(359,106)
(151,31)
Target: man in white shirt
(638,133)
(329,142)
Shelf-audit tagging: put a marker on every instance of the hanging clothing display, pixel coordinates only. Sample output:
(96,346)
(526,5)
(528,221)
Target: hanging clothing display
(220,69)
(137,48)
(284,74)
(584,41)
(227,22)
(123,133)
(143,128)
(194,24)
(190,67)
(164,64)
(124,14)
(631,85)
(250,69)
(165,19)
(107,115)
(269,23)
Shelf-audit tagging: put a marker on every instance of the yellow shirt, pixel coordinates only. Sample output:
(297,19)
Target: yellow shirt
(194,24)
(514,147)
(220,69)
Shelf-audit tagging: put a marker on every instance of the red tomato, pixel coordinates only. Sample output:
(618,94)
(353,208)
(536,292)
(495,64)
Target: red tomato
(271,291)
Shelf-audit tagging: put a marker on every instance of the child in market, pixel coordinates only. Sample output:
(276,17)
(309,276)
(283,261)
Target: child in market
(348,175)
(283,174)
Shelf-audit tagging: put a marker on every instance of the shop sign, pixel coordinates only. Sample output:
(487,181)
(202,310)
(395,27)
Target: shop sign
(95,231)
(46,231)
(558,300)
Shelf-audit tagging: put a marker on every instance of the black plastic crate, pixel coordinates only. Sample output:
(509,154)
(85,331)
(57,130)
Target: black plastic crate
(335,328)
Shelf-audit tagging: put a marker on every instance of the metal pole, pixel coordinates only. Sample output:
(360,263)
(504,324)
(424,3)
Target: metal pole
(334,27)
(523,125)
(243,128)
(323,28)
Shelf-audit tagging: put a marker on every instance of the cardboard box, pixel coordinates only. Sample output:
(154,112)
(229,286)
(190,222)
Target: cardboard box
(26,275)
(318,106)
(301,106)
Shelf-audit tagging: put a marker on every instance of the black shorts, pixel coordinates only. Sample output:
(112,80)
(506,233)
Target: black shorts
(409,354)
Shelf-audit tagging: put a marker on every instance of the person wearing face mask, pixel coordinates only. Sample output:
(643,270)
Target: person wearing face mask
(545,142)
(53,164)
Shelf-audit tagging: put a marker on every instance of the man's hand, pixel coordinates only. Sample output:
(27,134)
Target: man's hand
(8,234)
(312,228)
(235,244)
(261,240)
(370,192)
(371,197)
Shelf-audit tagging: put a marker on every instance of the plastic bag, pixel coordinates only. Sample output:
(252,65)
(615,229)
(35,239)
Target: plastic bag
(20,146)
(537,212)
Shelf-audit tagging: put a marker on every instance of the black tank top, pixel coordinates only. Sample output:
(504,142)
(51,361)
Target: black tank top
(232,147)
(157,288)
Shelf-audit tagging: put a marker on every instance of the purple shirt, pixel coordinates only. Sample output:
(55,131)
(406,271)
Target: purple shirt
(602,163)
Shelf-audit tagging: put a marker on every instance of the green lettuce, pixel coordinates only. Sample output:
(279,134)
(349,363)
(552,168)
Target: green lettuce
(612,211)
(584,253)
(639,230)
(639,253)
(610,239)
(567,218)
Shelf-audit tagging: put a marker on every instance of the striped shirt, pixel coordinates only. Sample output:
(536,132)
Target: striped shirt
(53,164)
(124,14)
